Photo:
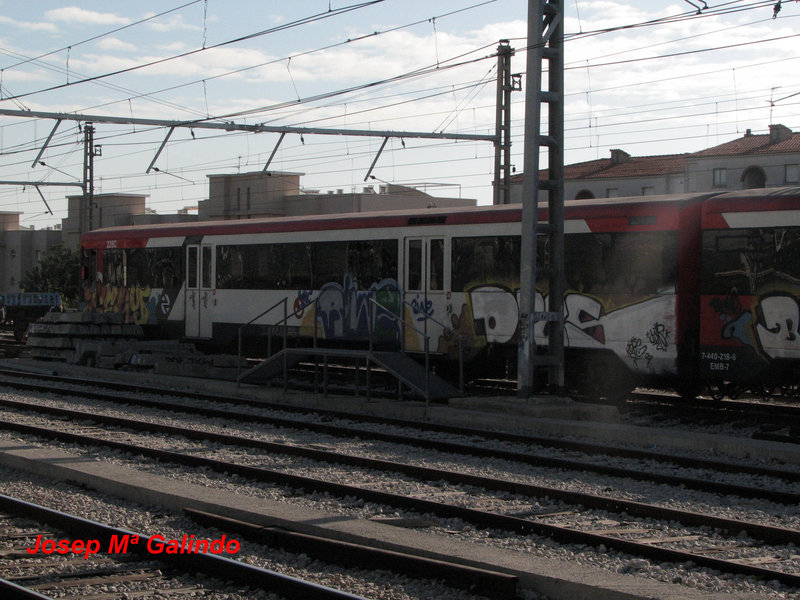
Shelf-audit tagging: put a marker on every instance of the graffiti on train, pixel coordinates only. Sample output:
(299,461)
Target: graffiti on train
(643,331)
(135,303)
(770,326)
(342,311)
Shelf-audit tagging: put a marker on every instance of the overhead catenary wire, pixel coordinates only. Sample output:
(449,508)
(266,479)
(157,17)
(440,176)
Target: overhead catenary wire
(751,3)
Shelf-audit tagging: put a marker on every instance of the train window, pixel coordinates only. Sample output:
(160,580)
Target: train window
(329,262)
(436,266)
(89,264)
(164,267)
(371,261)
(483,260)
(135,265)
(298,267)
(143,267)
(414,265)
(305,266)
(206,268)
(191,266)
(636,264)
(743,261)
(114,267)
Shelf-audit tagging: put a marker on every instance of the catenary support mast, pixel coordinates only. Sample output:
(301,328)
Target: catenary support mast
(545,42)
(506,83)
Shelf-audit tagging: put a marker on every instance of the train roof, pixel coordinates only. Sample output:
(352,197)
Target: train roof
(762,207)
(389,218)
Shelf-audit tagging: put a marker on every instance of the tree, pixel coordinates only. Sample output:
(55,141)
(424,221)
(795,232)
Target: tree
(58,271)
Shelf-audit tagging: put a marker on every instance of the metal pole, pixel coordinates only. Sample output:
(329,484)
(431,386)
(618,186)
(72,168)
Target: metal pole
(285,341)
(545,40)
(502,143)
(555,205)
(88,173)
(530,191)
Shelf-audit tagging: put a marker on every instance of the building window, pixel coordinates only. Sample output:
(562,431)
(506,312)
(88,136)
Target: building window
(584,195)
(648,190)
(612,192)
(754,177)
(720,177)
(792,173)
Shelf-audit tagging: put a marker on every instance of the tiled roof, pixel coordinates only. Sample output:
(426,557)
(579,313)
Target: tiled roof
(753,144)
(674,164)
(634,166)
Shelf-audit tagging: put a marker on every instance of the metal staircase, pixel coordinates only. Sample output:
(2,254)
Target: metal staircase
(418,378)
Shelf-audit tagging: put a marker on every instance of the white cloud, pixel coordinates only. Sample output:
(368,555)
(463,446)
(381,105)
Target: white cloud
(116,44)
(28,25)
(172,23)
(73,14)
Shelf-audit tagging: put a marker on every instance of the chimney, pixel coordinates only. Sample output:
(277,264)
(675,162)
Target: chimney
(779,133)
(748,133)
(619,156)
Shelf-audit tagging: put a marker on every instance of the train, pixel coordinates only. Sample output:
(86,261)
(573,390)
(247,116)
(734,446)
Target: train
(691,291)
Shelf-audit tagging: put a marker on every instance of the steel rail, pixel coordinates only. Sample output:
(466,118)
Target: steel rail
(470,515)
(13,591)
(218,566)
(585,447)
(444,446)
(484,582)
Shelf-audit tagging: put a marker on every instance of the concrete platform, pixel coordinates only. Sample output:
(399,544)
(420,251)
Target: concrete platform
(558,579)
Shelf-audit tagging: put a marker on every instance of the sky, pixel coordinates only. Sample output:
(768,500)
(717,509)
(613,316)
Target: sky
(649,76)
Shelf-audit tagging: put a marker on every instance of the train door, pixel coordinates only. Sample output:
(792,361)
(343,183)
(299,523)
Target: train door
(199,297)
(425,286)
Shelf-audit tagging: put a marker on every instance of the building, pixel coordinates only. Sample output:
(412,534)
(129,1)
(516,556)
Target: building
(751,161)
(277,194)
(107,210)
(21,250)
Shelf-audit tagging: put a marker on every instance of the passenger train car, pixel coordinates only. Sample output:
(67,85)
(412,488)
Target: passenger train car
(667,288)
(750,290)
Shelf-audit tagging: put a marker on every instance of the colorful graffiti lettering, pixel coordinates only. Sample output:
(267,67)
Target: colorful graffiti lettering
(135,304)
(777,326)
(770,327)
(422,308)
(301,302)
(494,313)
(344,312)
(588,323)
(728,307)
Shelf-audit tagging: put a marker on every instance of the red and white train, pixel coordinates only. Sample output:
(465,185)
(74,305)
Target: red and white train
(691,289)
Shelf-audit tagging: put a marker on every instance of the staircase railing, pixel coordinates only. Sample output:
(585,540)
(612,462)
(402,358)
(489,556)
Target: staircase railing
(271,327)
(459,339)
(425,336)
(374,305)
(241,328)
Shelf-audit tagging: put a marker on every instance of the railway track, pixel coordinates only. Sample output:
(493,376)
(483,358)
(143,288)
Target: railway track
(47,552)
(633,527)
(407,432)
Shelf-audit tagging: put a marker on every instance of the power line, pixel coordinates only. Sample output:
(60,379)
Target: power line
(282,27)
(102,35)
